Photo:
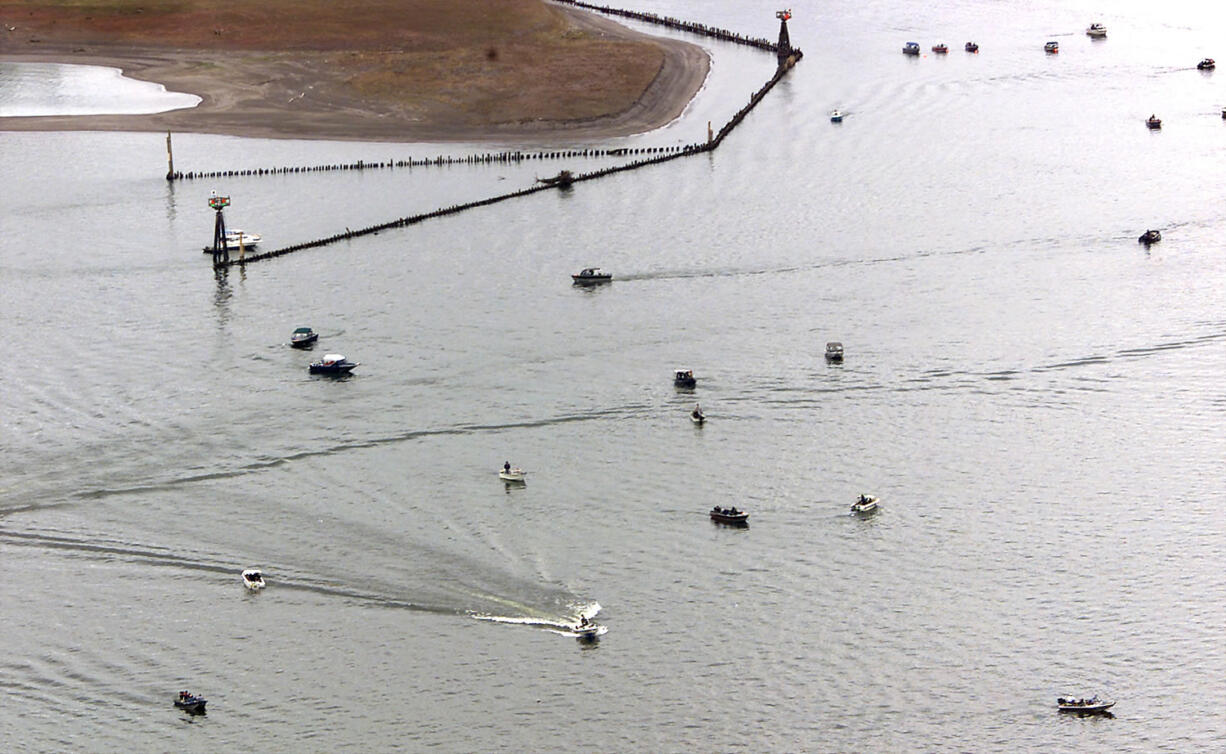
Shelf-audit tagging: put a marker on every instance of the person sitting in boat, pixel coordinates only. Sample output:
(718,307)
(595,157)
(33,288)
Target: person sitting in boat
(582,621)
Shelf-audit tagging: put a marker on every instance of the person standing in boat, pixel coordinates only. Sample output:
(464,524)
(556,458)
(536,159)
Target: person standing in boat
(507,467)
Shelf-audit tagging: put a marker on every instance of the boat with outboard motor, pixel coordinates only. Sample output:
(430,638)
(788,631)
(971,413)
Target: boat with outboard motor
(586,629)
(1153,123)
(592,276)
(253,579)
(971,47)
(684,378)
(303,337)
(1150,236)
(1051,47)
(865,504)
(189,702)
(697,416)
(1096,31)
(333,363)
(940,48)
(1206,65)
(509,473)
(729,515)
(836,116)
(911,48)
(1093,704)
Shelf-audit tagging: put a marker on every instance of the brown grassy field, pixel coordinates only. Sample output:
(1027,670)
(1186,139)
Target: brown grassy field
(468,63)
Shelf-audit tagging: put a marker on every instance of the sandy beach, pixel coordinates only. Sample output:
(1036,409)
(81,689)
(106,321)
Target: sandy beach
(301,95)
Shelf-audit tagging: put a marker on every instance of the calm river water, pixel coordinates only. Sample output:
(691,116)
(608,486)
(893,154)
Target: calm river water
(1036,398)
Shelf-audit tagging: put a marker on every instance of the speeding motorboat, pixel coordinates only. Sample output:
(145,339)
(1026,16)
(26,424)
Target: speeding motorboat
(592,276)
(971,47)
(940,48)
(189,702)
(1150,236)
(303,337)
(509,473)
(1206,65)
(865,504)
(1096,31)
(911,48)
(836,116)
(333,363)
(1051,47)
(253,579)
(1153,122)
(1093,704)
(684,378)
(697,416)
(729,515)
(586,629)
(834,352)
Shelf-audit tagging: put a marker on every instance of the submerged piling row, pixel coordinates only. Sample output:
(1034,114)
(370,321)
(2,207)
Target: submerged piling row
(676,23)
(471,159)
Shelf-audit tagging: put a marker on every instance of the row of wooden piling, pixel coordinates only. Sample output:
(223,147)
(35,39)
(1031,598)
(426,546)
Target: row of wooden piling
(471,159)
(678,24)
(655,159)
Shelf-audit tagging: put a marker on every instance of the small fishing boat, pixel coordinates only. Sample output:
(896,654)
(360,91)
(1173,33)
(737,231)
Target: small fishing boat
(911,48)
(1206,65)
(303,337)
(592,276)
(509,473)
(684,378)
(1153,123)
(1093,704)
(940,48)
(729,515)
(697,416)
(1150,236)
(865,504)
(253,579)
(586,629)
(1051,47)
(189,702)
(834,352)
(971,47)
(1096,31)
(333,363)
(836,116)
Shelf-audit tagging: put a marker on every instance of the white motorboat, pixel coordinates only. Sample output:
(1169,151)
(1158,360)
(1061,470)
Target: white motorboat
(1096,31)
(586,629)
(509,473)
(253,579)
(235,239)
(866,504)
(1093,704)
(592,276)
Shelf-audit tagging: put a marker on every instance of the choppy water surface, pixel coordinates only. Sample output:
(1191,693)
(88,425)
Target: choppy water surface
(60,89)
(1036,397)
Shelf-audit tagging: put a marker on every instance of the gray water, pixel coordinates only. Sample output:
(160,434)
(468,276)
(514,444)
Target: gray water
(1036,398)
(60,89)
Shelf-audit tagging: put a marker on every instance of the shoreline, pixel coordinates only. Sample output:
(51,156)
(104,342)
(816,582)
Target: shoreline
(267,98)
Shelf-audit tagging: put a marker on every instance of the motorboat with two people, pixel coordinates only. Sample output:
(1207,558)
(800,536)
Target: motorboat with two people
(684,378)
(509,473)
(189,702)
(1206,65)
(834,352)
(253,579)
(1153,122)
(940,48)
(1085,706)
(972,47)
(592,276)
(1052,47)
(865,504)
(836,116)
(729,516)
(1150,236)
(911,48)
(303,337)
(587,630)
(334,364)
(1096,31)
(697,416)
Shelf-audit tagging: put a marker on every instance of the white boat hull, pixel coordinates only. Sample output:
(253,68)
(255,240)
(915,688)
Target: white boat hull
(866,507)
(514,475)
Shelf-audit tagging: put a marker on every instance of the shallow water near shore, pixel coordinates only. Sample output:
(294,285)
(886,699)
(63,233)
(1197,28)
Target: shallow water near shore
(1035,397)
(30,89)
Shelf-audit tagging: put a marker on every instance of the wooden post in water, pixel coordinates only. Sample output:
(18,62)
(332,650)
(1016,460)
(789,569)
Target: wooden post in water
(710,136)
(170,159)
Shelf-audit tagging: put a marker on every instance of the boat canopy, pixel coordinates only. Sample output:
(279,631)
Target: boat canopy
(303,330)
(333,358)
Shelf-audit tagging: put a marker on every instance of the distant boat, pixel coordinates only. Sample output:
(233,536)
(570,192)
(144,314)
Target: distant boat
(586,629)
(253,579)
(592,276)
(303,337)
(697,416)
(834,352)
(971,47)
(236,239)
(1206,65)
(836,116)
(1051,47)
(1097,31)
(1150,236)
(509,473)
(684,378)
(911,48)
(729,516)
(940,48)
(865,504)
(333,363)
(1153,123)
(189,702)
(1093,704)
